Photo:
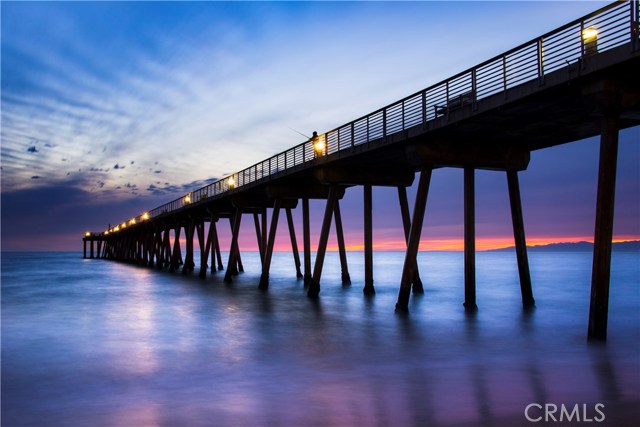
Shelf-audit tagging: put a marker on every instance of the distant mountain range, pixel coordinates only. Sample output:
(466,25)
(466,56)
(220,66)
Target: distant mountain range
(629,246)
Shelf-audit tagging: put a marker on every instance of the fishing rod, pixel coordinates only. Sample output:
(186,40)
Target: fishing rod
(298,132)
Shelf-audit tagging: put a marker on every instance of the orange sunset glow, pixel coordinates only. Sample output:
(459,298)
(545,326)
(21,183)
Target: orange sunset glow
(457,244)
(453,244)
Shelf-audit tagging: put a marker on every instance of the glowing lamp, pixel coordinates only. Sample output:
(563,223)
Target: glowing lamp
(187,198)
(87,234)
(590,33)
(231,182)
(123,225)
(145,216)
(106,232)
(590,40)
(133,221)
(319,146)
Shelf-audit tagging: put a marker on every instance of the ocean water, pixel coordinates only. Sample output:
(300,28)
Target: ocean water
(100,343)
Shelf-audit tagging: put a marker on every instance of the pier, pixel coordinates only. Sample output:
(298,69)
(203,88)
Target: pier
(577,81)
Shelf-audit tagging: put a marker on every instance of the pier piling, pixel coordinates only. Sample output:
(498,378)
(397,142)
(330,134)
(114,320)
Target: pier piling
(402,306)
(256,222)
(306,237)
(264,278)
(294,243)
(520,240)
(368,242)
(469,240)
(344,267)
(417,287)
(601,272)
(233,250)
(204,255)
(314,285)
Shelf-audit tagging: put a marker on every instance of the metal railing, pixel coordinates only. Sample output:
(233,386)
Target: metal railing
(606,28)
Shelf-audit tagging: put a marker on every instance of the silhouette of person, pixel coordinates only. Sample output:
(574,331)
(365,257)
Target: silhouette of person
(315,142)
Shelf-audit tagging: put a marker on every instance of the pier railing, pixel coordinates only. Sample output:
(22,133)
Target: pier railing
(609,27)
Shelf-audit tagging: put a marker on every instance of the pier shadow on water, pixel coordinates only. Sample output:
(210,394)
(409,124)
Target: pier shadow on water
(93,342)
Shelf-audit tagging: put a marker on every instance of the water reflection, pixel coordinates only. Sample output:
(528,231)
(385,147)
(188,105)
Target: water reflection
(125,346)
(141,414)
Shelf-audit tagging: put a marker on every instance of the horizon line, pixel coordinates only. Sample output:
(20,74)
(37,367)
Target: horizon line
(357,249)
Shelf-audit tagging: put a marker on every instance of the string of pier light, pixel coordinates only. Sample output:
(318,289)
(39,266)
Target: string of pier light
(319,148)
(589,38)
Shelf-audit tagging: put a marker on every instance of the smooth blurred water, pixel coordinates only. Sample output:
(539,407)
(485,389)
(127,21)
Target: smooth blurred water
(98,343)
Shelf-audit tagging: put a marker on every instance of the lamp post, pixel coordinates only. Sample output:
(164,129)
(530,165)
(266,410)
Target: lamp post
(319,144)
(590,41)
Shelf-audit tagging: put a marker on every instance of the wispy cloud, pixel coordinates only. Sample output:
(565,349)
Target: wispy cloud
(203,96)
(164,188)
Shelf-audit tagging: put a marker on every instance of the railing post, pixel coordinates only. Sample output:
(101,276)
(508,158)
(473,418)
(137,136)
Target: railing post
(353,134)
(424,107)
(384,122)
(635,24)
(474,93)
(540,61)
(446,89)
(504,75)
(582,43)
(368,129)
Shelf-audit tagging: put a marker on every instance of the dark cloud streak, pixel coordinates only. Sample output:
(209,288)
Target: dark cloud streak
(179,189)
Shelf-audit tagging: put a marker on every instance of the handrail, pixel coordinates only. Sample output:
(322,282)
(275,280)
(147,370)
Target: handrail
(608,27)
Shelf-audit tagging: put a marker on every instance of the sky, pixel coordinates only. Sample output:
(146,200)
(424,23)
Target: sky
(109,109)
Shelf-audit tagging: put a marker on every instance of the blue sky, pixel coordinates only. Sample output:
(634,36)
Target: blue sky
(110,109)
